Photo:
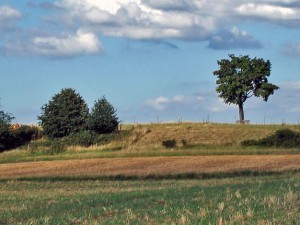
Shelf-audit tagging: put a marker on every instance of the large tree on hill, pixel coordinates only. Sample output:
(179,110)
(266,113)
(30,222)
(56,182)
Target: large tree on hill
(64,114)
(240,78)
(103,117)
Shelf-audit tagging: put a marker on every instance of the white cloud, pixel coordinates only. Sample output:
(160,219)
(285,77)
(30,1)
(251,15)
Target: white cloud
(189,20)
(176,19)
(7,13)
(267,11)
(61,47)
(163,103)
(233,39)
(139,19)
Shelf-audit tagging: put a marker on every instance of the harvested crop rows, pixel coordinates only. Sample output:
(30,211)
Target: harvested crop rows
(150,165)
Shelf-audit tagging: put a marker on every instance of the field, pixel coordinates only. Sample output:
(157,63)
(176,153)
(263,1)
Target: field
(256,200)
(134,180)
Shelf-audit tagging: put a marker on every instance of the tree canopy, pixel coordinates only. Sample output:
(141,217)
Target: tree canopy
(5,118)
(239,78)
(103,118)
(64,114)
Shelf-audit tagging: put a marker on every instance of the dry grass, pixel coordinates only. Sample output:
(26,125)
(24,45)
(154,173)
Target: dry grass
(151,135)
(151,166)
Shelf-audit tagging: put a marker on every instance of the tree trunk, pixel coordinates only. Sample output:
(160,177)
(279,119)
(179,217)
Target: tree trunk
(241,111)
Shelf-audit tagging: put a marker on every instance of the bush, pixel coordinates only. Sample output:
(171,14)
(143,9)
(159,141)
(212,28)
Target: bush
(184,143)
(83,138)
(25,134)
(10,139)
(65,113)
(169,143)
(56,147)
(6,138)
(284,138)
(103,118)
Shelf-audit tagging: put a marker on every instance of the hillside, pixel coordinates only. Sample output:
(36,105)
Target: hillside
(152,135)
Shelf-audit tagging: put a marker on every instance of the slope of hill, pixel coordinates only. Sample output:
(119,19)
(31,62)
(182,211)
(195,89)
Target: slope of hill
(152,135)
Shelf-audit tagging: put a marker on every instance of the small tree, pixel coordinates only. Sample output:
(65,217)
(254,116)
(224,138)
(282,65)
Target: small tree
(240,78)
(64,114)
(5,118)
(5,134)
(103,118)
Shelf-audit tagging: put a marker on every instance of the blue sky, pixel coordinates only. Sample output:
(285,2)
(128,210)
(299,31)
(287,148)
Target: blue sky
(152,59)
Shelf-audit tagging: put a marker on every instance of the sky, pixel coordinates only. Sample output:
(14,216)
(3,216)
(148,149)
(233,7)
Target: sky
(153,60)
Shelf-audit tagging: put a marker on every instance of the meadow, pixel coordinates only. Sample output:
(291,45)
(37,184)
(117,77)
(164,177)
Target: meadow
(255,200)
(208,178)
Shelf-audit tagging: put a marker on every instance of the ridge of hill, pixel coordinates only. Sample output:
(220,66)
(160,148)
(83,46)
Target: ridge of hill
(152,135)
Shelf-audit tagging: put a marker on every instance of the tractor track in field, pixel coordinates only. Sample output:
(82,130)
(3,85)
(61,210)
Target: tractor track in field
(145,166)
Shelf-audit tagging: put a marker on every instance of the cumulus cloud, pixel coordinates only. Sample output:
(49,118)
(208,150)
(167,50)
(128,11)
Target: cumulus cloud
(233,39)
(62,47)
(140,19)
(205,100)
(195,107)
(8,13)
(188,20)
(171,5)
(268,11)
(163,103)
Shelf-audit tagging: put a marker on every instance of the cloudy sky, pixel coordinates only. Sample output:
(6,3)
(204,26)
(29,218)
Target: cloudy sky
(152,59)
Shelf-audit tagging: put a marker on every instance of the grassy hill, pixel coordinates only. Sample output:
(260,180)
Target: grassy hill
(146,140)
(152,135)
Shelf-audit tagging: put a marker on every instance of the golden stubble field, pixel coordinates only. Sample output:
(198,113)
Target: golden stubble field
(143,166)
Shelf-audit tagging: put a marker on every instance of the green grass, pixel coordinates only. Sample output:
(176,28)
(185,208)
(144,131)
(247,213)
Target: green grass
(195,150)
(146,141)
(255,200)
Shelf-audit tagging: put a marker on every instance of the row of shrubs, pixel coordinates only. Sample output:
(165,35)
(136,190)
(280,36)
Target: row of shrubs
(13,138)
(83,138)
(284,138)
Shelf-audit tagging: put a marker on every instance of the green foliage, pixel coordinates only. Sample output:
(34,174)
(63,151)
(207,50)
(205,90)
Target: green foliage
(10,139)
(5,136)
(84,138)
(56,146)
(25,134)
(184,143)
(64,114)
(284,138)
(169,143)
(103,118)
(5,118)
(240,78)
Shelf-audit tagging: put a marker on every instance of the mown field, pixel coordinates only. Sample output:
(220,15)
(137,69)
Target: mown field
(255,200)
(209,178)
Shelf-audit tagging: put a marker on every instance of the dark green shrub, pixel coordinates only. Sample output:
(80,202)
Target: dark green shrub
(56,146)
(6,138)
(169,143)
(284,138)
(103,118)
(249,143)
(104,139)
(83,138)
(184,142)
(64,114)
(25,134)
